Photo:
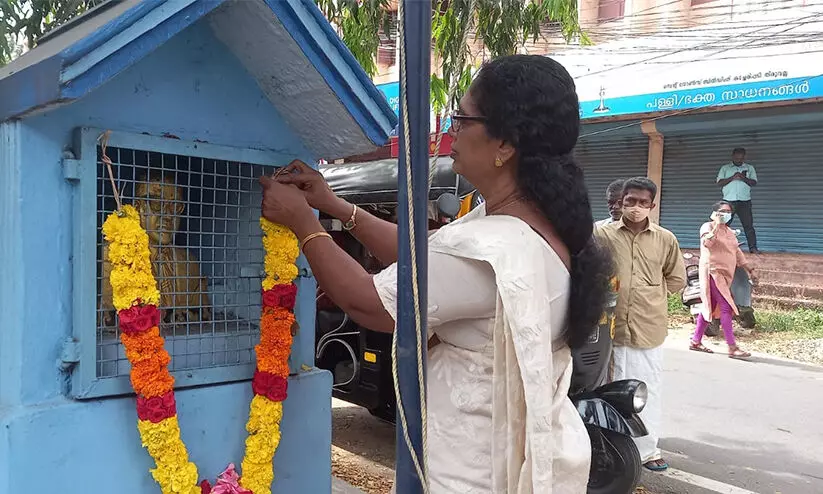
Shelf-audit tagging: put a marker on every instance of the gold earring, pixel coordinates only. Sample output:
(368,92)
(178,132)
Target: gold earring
(498,162)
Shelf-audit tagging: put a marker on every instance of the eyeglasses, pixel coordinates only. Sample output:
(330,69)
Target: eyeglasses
(457,120)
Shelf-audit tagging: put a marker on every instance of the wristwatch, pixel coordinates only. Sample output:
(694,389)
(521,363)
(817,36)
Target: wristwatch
(351,223)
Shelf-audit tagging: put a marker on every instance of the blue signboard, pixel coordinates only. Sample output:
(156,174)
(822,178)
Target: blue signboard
(391,91)
(728,94)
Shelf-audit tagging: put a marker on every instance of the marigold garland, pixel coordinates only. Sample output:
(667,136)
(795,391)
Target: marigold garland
(135,296)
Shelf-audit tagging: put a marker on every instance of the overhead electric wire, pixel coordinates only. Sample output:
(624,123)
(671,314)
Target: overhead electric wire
(748,8)
(681,50)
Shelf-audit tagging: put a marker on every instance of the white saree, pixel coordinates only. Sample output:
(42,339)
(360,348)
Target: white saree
(499,419)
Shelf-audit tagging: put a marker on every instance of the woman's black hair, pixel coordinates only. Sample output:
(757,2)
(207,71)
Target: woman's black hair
(719,204)
(530,102)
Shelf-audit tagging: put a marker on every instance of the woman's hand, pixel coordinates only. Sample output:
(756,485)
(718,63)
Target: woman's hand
(286,205)
(716,220)
(318,193)
(753,276)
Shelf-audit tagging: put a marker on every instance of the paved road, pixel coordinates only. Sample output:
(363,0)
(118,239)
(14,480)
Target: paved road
(730,427)
(755,425)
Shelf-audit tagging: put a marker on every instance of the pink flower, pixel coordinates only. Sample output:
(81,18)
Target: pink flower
(229,483)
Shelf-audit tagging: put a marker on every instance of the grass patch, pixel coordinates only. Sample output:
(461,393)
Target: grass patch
(803,322)
(676,307)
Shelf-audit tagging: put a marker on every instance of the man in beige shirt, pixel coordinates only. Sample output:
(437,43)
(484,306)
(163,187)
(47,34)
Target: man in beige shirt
(649,266)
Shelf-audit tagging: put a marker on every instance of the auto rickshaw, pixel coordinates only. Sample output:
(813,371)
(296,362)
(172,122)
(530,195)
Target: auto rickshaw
(360,359)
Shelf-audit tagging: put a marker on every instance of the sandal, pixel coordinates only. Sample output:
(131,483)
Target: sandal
(656,465)
(737,353)
(699,347)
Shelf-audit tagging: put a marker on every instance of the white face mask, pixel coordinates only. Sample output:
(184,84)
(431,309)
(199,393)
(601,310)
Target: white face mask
(723,216)
(636,214)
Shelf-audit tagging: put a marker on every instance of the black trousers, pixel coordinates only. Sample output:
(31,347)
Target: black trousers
(743,210)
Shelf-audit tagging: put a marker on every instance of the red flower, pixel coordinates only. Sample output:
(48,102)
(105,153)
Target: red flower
(280,296)
(205,487)
(139,318)
(269,385)
(158,408)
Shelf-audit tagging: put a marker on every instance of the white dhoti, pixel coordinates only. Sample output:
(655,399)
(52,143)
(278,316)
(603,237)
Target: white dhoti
(644,364)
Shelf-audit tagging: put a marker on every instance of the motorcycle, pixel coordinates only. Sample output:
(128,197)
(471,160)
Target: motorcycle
(610,411)
(741,289)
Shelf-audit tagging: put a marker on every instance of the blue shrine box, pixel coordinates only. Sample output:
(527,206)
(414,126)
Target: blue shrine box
(196,100)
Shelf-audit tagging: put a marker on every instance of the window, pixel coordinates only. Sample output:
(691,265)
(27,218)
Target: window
(200,206)
(609,10)
(387,44)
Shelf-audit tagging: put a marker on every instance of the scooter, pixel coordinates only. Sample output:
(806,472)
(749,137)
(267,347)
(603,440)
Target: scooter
(741,293)
(610,411)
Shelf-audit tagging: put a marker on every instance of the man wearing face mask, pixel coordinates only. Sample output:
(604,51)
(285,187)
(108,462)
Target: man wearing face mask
(719,257)
(649,266)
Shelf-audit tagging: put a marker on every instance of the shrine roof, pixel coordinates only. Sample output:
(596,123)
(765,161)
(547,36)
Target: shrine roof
(287,46)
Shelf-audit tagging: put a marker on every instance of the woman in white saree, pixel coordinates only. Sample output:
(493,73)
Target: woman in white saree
(512,286)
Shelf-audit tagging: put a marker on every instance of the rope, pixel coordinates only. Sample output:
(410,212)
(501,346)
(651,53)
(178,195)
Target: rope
(103,139)
(452,93)
(422,470)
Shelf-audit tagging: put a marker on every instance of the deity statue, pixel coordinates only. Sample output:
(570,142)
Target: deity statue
(183,292)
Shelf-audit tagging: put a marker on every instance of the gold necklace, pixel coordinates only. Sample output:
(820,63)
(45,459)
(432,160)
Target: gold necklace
(502,206)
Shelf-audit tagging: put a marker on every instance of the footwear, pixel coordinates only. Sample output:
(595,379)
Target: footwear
(656,465)
(737,353)
(755,251)
(699,347)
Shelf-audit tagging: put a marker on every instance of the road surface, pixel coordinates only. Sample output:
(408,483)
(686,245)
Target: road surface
(730,427)
(757,425)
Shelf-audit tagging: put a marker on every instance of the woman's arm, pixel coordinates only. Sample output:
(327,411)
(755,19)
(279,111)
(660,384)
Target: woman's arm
(377,235)
(344,280)
(708,234)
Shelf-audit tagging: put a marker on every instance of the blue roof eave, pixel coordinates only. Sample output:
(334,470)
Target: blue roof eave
(86,64)
(375,116)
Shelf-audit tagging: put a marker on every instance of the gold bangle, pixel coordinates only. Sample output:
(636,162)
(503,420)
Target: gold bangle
(313,236)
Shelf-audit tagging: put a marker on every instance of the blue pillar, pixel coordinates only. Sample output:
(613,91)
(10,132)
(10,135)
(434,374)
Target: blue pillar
(415,67)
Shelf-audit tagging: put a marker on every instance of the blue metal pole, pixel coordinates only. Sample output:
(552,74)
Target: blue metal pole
(415,68)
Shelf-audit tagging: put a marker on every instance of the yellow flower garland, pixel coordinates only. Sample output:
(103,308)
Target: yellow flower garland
(135,295)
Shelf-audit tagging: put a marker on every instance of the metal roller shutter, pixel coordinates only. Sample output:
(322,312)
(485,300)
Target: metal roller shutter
(606,160)
(787,202)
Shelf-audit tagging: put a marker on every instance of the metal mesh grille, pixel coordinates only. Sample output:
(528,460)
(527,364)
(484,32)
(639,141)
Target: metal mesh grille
(202,219)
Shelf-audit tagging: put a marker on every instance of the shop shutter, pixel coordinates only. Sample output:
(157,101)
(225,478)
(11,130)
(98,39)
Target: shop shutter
(607,160)
(787,201)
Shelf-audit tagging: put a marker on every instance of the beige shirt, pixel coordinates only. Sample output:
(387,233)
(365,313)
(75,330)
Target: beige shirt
(649,267)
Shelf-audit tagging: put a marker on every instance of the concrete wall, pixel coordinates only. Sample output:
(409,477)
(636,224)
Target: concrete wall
(192,88)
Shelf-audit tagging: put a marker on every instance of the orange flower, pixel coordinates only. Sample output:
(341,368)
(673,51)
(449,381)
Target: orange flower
(273,364)
(151,378)
(276,314)
(142,343)
(149,363)
(277,336)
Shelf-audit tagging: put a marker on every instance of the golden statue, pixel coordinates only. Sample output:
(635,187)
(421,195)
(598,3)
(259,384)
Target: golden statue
(183,292)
